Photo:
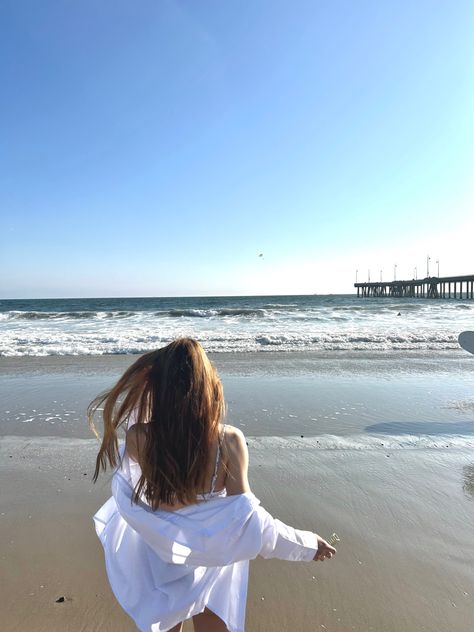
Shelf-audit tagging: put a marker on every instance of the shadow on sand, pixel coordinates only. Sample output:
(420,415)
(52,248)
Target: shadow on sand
(422,428)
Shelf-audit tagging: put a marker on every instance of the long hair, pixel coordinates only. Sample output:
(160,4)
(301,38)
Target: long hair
(177,393)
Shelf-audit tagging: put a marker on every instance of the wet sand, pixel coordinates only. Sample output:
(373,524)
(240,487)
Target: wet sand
(267,394)
(402,504)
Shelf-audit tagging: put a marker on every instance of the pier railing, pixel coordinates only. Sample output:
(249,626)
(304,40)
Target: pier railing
(459,287)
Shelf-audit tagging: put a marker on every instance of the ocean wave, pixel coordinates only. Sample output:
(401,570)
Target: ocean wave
(328,339)
(289,307)
(79,315)
(380,307)
(139,339)
(210,313)
(245,312)
(463,406)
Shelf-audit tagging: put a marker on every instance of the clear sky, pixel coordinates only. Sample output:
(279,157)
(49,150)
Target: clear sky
(158,147)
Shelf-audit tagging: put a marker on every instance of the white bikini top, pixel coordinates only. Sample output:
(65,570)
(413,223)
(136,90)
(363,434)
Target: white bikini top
(212,492)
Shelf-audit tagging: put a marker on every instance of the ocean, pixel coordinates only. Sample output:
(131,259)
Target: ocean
(102,326)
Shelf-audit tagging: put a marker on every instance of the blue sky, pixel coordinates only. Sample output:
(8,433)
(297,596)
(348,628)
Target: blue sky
(157,148)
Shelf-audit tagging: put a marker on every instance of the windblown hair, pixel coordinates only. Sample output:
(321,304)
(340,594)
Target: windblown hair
(177,393)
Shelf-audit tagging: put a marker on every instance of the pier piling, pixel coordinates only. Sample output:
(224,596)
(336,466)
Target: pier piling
(429,287)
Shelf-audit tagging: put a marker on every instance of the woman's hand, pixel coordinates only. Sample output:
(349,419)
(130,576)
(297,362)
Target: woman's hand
(325,550)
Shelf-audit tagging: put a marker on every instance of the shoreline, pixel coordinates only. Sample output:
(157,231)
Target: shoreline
(233,360)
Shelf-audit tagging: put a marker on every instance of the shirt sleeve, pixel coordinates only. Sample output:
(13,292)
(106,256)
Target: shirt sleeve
(281,541)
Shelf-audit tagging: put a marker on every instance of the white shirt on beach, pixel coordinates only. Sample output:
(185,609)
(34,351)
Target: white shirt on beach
(167,566)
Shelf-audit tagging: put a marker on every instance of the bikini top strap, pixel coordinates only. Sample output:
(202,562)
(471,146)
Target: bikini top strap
(218,457)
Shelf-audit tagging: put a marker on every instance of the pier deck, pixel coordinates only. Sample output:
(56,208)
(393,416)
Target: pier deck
(459,287)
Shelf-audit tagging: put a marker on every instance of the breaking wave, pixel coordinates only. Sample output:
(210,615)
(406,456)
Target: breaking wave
(228,324)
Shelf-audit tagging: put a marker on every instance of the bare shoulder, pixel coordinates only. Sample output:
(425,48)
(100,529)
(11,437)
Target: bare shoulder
(234,439)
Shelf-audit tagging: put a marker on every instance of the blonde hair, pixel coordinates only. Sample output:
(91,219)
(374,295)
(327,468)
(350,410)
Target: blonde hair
(177,393)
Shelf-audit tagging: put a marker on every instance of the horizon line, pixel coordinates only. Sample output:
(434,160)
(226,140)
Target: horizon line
(68,298)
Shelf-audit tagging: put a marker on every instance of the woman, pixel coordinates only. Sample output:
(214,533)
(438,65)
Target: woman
(182,522)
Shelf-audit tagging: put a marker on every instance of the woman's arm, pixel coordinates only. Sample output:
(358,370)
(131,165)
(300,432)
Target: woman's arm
(282,541)
(236,461)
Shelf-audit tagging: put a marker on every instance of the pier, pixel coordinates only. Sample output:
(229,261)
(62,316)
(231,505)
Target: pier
(458,287)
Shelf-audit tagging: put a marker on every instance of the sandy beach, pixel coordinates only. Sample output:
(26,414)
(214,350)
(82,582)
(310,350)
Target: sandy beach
(365,447)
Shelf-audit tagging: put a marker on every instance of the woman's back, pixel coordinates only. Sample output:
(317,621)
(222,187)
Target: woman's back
(227,469)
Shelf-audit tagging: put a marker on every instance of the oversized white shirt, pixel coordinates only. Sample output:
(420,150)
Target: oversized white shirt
(166,566)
